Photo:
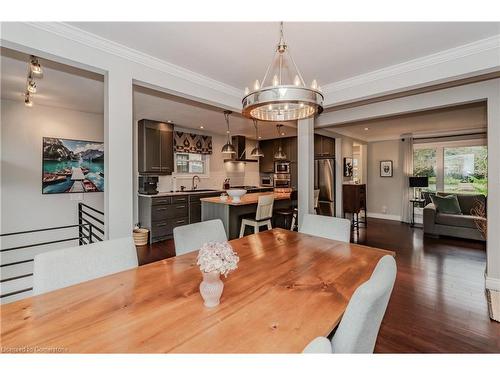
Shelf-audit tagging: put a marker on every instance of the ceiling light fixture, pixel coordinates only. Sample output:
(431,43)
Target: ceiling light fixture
(279,155)
(202,127)
(35,67)
(366,128)
(256,152)
(27,100)
(287,96)
(228,148)
(31,85)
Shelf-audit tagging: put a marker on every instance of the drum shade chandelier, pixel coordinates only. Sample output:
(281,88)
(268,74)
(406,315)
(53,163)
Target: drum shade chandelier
(282,95)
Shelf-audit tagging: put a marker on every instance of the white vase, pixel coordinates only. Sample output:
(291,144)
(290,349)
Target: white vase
(211,288)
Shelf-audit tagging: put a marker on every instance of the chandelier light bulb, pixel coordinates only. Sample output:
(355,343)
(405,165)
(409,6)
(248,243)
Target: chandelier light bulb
(296,80)
(256,85)
(275,80)
(247,90)
(314,84)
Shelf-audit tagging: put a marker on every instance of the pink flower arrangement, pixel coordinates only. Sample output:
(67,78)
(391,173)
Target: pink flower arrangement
(217,257)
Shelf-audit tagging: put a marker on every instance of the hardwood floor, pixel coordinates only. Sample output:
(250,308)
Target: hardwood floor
(438,304)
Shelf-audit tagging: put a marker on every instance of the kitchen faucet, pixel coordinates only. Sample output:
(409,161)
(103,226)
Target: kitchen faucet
(193,186)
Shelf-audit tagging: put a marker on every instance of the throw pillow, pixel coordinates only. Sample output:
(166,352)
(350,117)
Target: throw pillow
(447,205)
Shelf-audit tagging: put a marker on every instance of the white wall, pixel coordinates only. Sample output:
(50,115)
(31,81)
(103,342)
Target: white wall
(384,193)
(23,207)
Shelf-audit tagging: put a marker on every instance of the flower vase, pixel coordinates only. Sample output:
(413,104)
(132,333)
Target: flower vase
(211,288)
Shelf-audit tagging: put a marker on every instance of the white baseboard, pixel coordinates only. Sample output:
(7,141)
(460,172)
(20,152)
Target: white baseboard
(376,215)
(493,284)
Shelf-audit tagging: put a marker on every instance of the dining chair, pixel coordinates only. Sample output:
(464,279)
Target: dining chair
(316,200)
(330,227)
(191,237)
(358,329)
(61,268)
(263,215)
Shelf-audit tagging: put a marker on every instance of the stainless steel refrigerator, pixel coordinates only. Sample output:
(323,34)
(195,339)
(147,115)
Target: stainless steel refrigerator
(324,180)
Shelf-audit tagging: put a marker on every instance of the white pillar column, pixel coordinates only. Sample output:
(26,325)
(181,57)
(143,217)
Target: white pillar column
(118,198)
(493,243)
(339,177)
(305,132)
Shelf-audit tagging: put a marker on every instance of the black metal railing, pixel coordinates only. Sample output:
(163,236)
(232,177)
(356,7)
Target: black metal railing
(87,215)
(88,228)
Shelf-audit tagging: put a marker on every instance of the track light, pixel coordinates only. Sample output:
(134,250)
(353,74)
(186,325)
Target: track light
(31,87)
(27,100)
(35,67)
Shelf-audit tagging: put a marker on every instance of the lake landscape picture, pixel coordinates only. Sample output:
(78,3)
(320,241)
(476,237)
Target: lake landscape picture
(72,166)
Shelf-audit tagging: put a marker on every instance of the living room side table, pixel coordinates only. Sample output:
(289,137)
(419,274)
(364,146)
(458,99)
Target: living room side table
(415,202)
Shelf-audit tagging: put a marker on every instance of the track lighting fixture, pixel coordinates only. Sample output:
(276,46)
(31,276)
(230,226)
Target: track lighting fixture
(35,67)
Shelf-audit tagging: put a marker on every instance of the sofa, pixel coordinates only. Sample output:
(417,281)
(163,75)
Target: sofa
(456,225)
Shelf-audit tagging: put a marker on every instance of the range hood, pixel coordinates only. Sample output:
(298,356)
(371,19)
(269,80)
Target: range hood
(239,142)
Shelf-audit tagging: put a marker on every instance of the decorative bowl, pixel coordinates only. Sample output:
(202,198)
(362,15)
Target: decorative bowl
(236,194)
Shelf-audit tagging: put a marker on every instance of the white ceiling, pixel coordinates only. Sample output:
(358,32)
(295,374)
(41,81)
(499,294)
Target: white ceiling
(62,86)
(454,120)
(154,105)
(237,53)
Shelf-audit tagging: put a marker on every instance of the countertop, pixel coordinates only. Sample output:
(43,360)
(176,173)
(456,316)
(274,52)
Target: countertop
(176,193)
(251,198)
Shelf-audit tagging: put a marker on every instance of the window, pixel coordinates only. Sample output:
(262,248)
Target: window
(453,166)
(465,169)
(424,165)
(191,163)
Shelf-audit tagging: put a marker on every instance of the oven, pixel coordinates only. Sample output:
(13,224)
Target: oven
(282,167)
(282,180)
(266,181)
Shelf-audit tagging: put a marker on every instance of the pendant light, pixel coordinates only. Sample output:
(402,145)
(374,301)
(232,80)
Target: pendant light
(256,152)
(35,67)
(282,95)
(279,155)
(228,148)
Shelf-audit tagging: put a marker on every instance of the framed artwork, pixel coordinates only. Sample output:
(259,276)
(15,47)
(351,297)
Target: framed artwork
(386,168)
(347,167)
(72,166)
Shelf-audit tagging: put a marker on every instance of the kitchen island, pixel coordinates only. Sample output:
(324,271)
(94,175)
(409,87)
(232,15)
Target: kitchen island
(230,212)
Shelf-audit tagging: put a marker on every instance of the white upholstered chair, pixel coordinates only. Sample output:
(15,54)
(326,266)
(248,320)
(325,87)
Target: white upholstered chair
(358,329)
(262,216)
(61,268)
(191,237)
(330,227)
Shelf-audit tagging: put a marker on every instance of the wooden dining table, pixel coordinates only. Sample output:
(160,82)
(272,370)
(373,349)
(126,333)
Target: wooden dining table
(288,289)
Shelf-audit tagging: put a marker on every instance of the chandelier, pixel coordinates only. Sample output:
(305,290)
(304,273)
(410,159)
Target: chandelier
(285,96)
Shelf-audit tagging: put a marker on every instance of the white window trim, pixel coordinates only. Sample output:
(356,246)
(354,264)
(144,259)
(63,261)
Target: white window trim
(190,175)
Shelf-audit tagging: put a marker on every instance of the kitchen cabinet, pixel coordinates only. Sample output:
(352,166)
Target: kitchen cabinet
(161,214)
(266,163)
(155,147)
(324,146)
(270,146)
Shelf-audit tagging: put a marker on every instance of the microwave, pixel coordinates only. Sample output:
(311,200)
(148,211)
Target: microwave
(282,180)
(282,167)
(266,181)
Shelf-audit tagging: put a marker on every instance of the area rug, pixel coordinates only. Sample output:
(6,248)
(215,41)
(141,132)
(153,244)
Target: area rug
(494,304)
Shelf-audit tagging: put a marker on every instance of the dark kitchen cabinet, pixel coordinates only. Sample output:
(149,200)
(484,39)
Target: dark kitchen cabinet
(324,146)
(266,163)
(155,147)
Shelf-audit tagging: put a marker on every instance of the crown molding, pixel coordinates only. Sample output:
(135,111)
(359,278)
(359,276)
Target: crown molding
(446,56)
(94,41)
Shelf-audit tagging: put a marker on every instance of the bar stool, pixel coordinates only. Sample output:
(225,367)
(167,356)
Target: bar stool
(296,211)
(263,215)
(288,213)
